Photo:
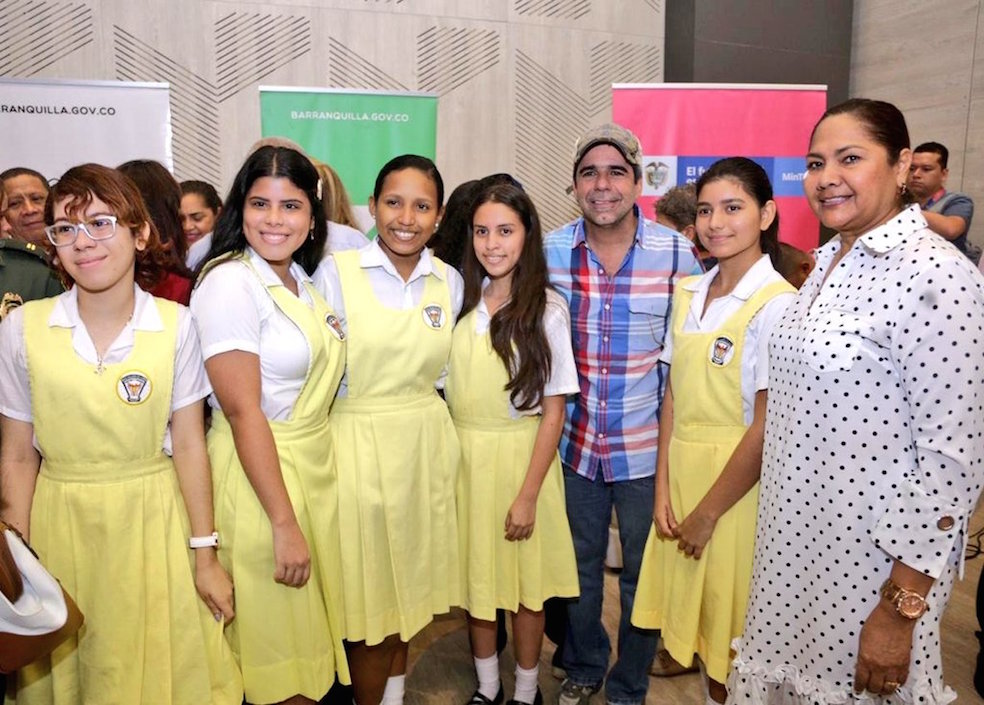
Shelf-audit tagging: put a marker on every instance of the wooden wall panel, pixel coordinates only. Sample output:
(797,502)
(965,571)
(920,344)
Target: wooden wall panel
(517,80)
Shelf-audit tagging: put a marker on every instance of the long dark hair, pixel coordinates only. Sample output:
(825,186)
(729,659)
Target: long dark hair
(755,182)
(516,329)
(162,194)
(453,234)
(276,162)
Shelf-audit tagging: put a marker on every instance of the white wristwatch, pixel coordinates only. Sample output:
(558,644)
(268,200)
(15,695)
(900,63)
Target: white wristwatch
(210,541)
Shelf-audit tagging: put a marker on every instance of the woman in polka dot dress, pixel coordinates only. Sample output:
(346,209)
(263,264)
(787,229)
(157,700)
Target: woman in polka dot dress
(874,440)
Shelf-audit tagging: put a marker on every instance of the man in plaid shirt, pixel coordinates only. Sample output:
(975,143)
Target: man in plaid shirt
(617,271)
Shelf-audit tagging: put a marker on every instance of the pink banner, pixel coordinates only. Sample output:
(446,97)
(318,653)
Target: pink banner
(684,128)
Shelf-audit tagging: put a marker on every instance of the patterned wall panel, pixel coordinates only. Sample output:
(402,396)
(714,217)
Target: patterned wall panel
(347,69)
(250,47)
(621,62)
(555,115)
(194,113)
(517,80)
(448,57)
(552,118)
(554,9)
(39,34)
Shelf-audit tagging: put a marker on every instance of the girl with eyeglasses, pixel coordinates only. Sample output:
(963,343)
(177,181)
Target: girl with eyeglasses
(103,463)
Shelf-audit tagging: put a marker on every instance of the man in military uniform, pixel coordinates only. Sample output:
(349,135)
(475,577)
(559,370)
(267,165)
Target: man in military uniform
(24,271)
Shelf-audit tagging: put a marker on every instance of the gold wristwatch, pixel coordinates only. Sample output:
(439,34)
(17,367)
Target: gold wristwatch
(908,603)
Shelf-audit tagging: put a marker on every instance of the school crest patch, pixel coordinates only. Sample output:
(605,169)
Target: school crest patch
(722,350)
(11,300)
(134,388)
(335,325)
(434,316)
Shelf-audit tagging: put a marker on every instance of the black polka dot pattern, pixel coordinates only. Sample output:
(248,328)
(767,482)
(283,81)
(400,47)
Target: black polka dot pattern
(874,450)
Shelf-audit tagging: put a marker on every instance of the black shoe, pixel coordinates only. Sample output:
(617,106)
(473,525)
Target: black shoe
(538,700)
(479,699)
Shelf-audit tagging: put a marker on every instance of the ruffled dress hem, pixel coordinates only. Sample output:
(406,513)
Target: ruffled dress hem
(784,684)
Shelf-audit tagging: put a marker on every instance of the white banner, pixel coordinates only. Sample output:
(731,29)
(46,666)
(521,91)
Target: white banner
(51,125)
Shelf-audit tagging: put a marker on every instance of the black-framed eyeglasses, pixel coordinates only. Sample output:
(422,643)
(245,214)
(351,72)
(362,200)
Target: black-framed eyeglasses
(63,233)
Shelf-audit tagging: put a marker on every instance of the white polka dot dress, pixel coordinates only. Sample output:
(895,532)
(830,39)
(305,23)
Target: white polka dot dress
(873,450)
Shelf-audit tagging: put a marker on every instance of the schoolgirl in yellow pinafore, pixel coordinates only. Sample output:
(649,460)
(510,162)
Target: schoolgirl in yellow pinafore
(287,639)
(397,455)
(700,604)
(108,520)
(495,456)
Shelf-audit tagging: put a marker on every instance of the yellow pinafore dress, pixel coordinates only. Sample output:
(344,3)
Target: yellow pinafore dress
(108,520)
(287,639)
(397,456)
(495,455)
(700,604)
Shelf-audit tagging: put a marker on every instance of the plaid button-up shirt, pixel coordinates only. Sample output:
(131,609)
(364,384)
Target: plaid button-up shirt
(617,323)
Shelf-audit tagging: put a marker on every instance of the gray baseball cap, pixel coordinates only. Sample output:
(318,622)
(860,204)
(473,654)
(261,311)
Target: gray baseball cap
(617,136)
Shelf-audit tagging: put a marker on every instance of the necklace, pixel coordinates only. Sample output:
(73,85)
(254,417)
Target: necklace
(100,367)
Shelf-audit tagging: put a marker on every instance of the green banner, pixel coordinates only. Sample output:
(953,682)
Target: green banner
(354,132)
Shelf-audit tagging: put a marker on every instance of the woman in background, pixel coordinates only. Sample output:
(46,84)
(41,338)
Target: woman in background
(162,195)
(200,208)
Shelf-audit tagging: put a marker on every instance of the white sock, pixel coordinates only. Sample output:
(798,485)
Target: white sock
(487,670)
(393,694)
(526,682)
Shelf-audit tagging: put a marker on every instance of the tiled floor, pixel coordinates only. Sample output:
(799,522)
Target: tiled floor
(441,671)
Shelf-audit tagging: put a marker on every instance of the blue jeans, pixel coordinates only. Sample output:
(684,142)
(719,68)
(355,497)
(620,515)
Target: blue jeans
(587,647)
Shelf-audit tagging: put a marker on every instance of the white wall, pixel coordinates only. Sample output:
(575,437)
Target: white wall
(518,80)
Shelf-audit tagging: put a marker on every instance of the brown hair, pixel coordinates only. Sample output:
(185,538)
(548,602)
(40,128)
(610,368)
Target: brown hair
(80,184)
(516,329)
(679,205)
(334,197)
(162,195)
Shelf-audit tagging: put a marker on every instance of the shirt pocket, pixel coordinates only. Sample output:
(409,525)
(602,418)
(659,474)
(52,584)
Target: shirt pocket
(647,323)
(835,340)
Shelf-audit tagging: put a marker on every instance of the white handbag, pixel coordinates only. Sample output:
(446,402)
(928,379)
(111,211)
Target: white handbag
(36,614)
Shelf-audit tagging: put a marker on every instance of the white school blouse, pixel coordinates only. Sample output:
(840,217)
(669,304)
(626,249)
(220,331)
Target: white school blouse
(234,311)
(557,328)
(388,286)
(190,382)
(755,352)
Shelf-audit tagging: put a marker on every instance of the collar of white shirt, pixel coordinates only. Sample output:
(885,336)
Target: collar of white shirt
(372,255)
(269,276)
(893,233)
(65,314)
(751,281)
